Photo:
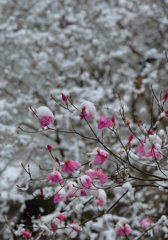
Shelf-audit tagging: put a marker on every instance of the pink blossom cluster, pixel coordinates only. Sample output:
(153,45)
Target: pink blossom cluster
(122,228)
(90,182)
(99,156)
(150,147)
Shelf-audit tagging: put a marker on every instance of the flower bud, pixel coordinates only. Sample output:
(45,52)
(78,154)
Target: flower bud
(57,160)
(165,97)
(121,152)
(98,150)
(127,121)
(41,190)
(131,137)
(113,121)
(150,132)
(49,148)
(64,98)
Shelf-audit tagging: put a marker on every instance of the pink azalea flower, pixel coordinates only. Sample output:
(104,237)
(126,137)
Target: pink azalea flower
(148,151)
(100,200)
(60,195)
(101,156)
(86,110)
(99,174)
(83,193)
(55,176)
(72,190)
(104,122)
(122,228)
(70,166)
(61,217)
(91,174)
(146,223)
(73,231)
(25,233)
(58,198)
(45,116)
(54,227)
(84,181)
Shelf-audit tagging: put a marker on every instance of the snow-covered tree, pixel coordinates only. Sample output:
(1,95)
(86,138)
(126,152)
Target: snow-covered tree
(88,50)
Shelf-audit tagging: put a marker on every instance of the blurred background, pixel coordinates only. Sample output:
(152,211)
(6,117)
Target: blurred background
(89,50)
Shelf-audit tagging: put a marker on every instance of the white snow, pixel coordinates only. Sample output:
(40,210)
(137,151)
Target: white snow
(43,112)
(128,187)
(89,108)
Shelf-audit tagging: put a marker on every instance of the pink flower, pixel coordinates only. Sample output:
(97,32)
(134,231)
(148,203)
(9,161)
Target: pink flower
(99,174)
(64,98)
(146,223)
(73,231)
(100,200)
(49,148)
(55,176)
(122,228)
(61,217)
(25,233)
(113,121)
(84,181)
(101,156)
(91,174)
(72,190)
(103,122)
(150,132)
(70,166)
(60,195)
(45,116)
(145,149)
(54,227)
(83,193)
(166,112)
(85,110)
(58,198)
